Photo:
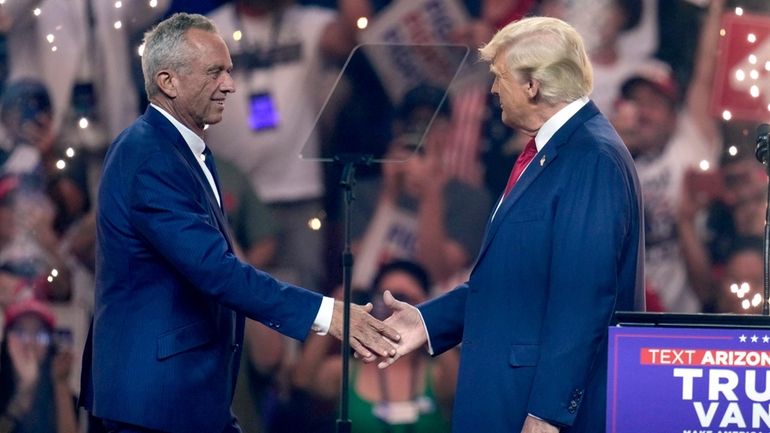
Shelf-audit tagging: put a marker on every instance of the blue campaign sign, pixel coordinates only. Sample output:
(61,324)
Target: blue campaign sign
(688,380)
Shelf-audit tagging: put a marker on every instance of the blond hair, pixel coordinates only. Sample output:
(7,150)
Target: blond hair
(547,50)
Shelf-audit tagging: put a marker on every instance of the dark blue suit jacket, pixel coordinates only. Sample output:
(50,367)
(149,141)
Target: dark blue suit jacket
(563,252)
(170,294)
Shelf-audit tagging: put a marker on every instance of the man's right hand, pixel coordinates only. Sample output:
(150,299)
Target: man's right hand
(407,321)
(369,337)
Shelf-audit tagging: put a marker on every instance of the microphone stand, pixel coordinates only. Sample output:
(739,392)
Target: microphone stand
(762,152)
(766,250)
(347,183)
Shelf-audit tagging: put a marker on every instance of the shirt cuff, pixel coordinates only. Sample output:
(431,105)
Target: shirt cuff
(323,320)
(425,327)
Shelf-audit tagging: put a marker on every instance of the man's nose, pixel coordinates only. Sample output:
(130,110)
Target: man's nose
(228,84)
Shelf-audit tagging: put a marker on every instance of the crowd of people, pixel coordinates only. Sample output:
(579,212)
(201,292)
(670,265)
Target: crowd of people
(71,84)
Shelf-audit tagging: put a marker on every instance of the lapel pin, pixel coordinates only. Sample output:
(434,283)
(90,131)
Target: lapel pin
(542,161)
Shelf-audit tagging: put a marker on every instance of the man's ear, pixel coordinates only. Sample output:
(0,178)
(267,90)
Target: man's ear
(167,83)
(533,88)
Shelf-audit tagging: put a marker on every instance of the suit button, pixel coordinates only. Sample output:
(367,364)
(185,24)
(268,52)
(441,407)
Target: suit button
(277,325)
(235,347)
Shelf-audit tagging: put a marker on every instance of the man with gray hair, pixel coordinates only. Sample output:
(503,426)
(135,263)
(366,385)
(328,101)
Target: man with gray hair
(562,252)
(171,295)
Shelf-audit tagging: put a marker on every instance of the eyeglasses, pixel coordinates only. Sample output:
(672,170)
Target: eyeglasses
(41,338)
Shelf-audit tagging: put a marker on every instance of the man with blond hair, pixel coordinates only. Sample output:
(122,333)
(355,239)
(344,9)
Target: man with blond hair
(562,252)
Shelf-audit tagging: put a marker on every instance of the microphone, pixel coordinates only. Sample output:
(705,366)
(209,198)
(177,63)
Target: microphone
(763,141)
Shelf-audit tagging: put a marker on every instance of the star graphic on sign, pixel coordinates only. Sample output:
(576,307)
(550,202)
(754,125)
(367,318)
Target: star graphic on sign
(766,339)
(742,338)
(754,338)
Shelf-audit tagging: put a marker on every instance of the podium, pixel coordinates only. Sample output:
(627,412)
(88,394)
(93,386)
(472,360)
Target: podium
(688,373)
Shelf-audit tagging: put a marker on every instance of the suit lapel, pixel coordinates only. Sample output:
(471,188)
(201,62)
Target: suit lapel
(156,119)
(539,163)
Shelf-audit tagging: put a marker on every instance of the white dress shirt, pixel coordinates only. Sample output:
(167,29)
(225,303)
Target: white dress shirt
(196,145)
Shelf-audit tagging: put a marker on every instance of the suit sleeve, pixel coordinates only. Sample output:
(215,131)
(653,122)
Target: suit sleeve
(444,317)
(169,211)
(591,224)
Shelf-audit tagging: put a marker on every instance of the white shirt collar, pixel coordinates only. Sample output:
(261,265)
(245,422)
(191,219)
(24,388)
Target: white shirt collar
(558,120)
(193,140)
(196,145)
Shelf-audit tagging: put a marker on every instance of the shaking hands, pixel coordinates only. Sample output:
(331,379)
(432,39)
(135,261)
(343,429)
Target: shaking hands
(371,339)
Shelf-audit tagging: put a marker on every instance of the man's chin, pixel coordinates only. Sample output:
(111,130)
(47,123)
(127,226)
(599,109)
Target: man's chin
(214,119)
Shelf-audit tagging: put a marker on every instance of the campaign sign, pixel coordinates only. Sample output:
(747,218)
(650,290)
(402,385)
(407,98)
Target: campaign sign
(742,75)
(415,35)
(688,380)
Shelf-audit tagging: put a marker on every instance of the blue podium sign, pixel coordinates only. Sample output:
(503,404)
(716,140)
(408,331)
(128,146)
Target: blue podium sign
(688,380)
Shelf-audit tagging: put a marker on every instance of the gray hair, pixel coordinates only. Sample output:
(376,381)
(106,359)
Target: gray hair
(547,50)
(165,47)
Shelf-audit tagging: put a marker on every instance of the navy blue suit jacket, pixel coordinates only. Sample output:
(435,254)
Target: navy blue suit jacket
(170,294)
(563,252)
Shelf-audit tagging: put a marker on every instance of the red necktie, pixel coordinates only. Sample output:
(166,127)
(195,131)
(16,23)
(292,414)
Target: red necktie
(529,152)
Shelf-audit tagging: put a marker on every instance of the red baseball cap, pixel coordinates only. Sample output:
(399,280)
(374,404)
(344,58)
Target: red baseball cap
(29,306)
(657,75)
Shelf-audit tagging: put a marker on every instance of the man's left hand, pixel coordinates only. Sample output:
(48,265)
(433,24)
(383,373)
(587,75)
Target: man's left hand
(534,425)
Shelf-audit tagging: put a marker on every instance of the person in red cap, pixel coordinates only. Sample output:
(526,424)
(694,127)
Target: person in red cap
(34,391)
(667,140)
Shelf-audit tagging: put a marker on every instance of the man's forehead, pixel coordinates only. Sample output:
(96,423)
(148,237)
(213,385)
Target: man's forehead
(498,65)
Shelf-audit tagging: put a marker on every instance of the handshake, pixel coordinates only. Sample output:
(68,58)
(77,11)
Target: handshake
(388,340)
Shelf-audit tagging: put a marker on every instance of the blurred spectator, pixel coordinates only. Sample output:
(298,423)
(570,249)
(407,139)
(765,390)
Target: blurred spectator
(665,142)
(52,243)
(639,42)
(31,152)
(414,395)
(611,67)
(278,50)
(29,252)
(718,207)
(740,289)
(26,114)
(737,201)
(34,370)
(415,211)
(80,51)
(678,38)
(253,225)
